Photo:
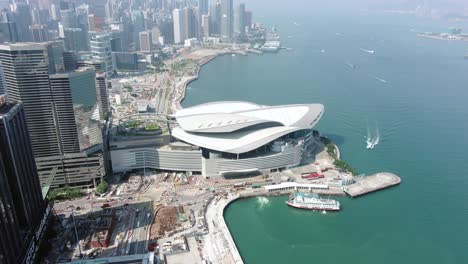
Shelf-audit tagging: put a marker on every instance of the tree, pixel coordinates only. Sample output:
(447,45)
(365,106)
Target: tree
(102,187)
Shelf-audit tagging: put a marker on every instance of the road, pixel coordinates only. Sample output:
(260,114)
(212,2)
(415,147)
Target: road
(140,228)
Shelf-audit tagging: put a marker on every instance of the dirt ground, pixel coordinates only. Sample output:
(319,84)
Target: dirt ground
(166,220)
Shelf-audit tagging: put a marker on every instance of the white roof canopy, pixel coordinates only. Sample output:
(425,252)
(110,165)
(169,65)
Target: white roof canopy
(238,127)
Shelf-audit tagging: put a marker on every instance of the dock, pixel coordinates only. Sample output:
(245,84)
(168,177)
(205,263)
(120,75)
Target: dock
(372,183)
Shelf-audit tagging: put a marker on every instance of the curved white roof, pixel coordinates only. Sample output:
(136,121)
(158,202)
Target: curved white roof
(238,127)
(217,107)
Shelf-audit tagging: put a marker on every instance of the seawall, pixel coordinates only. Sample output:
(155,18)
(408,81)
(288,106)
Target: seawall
(201,63)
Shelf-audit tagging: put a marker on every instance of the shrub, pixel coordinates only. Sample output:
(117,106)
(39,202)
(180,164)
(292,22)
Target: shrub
(66,193)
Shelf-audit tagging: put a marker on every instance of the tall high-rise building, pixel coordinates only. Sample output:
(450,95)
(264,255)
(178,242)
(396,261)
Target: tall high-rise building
(248,19)
(61,110)
(226,19)
(75,39)
(102,85)
(26,67)
(23,214)
(75,98)
(215,18)
(178,18)
(2,81)
(206,25)
(68,18)
(22,18)
(191,22)
(39,33)
(203,6)
(101,49)
(79,124)
(145,41)
(239,19)
(138,21)
(8,32)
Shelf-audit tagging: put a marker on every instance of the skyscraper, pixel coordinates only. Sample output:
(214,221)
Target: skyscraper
(26,68)
(2,81)
(8,32)
(179,26)
(248,19)
(206,25)
(75,99)
(103,97)
(138,26)
(23,214)
(39,33)
(22,18)
(145,41)
(239,19)
(215,18)
(101,49)
(191,22)
(203,6)
(226,19)
(61,110)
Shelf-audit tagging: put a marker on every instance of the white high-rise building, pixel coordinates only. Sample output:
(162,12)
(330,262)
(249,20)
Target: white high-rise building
(101,50)
(179,26)
(226,19)
(239,19)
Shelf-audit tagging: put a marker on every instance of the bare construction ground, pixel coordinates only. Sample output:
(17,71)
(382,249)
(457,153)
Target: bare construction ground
(372,183)
(167,220)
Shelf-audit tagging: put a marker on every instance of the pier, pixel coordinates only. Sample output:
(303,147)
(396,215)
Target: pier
(372,183)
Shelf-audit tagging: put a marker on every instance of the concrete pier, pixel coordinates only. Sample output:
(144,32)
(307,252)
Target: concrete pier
(372,183)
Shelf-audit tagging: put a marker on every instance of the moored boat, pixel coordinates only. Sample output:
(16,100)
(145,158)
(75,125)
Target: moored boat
(311,201)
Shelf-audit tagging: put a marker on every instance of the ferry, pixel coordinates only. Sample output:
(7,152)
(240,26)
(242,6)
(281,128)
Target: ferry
(311,201)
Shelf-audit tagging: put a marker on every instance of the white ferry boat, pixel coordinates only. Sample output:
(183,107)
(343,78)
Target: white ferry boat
(311,201)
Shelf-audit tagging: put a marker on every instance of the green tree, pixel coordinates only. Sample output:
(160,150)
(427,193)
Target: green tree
(102,187)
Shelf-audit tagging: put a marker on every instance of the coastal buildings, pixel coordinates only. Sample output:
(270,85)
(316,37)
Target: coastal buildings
(61,109)
(239,19)
(24,214)
(226,19)
(206,27)
(145,41)
(224,138)
(179,26)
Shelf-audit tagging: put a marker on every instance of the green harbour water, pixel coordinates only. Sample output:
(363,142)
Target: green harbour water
(422,114)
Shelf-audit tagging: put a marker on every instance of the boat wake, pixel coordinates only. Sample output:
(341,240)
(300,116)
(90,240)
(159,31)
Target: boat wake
(368,51)
(380,79)
(350,65)
(372,141)
(263,201)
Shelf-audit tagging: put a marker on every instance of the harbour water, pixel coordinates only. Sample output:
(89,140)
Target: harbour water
(422,114)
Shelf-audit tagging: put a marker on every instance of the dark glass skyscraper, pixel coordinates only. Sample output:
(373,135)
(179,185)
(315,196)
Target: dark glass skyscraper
(22,207)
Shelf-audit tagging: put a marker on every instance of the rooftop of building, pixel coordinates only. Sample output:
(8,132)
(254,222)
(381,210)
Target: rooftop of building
(239,127)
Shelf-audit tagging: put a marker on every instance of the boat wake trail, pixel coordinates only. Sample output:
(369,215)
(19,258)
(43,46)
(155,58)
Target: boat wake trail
(263,201)
(368,51)
(380,79)
(372,141)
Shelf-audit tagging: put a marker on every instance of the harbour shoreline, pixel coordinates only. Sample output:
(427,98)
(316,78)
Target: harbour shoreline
(177,102)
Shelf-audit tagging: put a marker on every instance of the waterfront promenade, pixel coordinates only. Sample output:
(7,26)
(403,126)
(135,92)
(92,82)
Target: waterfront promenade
(219,245)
